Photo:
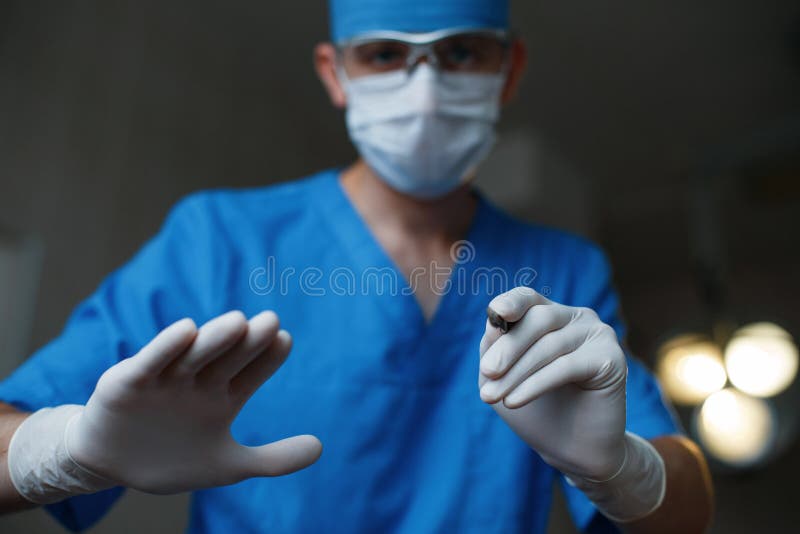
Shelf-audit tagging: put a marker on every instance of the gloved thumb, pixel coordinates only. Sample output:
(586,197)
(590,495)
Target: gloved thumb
(281,457)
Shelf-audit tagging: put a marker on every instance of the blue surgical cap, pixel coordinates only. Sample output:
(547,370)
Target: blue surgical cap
(352,17)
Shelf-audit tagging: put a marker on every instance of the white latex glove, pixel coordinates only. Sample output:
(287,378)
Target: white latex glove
(160,421)
(558,379)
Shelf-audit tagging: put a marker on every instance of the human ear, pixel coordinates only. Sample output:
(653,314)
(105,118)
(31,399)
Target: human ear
(325,65)
(518,59)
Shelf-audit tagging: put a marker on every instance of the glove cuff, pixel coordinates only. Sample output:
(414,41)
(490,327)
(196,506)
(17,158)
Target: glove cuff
(39,463)
(636,490)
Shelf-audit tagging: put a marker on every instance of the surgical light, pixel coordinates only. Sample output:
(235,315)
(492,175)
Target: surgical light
(690,368)
(735,428)
(761,359)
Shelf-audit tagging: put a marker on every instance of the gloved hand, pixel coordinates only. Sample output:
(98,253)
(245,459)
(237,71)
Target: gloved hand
(558,380)
(160,421)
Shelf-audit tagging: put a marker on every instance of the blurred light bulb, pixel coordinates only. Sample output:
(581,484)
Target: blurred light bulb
(761,359)
(735,428)
(690,369)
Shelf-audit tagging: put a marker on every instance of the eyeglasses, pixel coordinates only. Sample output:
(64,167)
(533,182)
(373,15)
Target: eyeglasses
(453,50)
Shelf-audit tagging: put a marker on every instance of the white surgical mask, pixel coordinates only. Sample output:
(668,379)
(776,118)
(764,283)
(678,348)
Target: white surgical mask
(423,133)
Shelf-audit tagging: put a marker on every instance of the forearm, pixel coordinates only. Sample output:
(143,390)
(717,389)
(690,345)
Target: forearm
(10,499)
(688,504)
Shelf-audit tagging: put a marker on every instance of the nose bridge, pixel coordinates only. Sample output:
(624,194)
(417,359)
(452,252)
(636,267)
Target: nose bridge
(424,81)
(422,53)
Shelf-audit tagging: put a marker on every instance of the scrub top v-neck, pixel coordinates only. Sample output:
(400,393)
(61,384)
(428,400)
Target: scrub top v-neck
(354,235)
(408,445)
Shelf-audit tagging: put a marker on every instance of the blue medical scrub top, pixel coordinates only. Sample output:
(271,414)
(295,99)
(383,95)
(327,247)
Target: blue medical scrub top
(408,445)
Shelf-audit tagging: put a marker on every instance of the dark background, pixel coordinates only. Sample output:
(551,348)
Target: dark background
(666,131)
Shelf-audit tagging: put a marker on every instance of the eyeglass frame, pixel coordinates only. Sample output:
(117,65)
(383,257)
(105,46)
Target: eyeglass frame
(422,44)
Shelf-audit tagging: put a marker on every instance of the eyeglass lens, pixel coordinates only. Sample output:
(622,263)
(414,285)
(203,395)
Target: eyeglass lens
(470,53)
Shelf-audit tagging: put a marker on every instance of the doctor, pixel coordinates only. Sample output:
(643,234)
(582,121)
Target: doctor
(433,420)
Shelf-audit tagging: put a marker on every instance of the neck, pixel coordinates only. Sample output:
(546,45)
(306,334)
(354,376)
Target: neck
(445,218)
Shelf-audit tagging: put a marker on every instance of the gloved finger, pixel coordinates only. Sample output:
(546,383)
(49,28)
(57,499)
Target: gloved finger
(163,349)
(537,322)
(567,369)
(550,346)
(490,335)
(261,332)
(213,339)
(481,380)
(279,458)
(249,379)
(513,304)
